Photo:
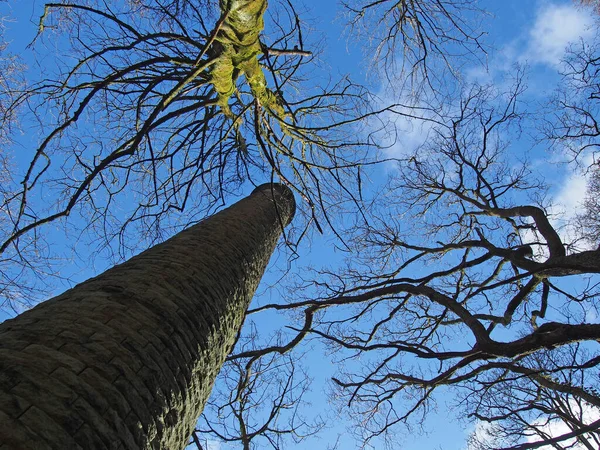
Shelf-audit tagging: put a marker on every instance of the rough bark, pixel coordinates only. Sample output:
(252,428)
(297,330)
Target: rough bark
(127,359)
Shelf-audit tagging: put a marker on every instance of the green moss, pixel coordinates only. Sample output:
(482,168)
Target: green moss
(237,50)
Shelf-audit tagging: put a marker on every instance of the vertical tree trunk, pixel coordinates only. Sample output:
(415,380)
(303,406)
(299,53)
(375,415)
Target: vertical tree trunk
(128,359)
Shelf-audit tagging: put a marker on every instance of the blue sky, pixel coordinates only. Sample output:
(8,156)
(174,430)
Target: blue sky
(531,33)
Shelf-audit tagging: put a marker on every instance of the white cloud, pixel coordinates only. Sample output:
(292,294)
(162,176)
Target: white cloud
(404,126)
(568,184)
(554,28)
(411,134)
(544,42)
(556,428)
(208,444)
(591,316)
(213,445)
(485,435)
(571,196)
(568,202)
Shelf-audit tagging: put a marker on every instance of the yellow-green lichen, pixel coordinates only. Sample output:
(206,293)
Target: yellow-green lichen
(237,47)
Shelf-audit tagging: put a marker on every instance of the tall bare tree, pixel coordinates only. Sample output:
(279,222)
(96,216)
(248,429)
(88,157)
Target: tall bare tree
(128,359)
(170,106)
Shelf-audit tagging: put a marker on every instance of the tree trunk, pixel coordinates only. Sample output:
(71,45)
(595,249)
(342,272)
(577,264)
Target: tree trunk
(127,359)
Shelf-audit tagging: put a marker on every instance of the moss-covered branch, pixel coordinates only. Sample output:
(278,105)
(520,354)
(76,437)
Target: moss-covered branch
(236,50)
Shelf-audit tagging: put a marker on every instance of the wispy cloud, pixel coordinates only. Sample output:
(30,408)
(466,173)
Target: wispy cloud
(568,201)
(543,42)
(486,435)
(404,126)
(556,428)
(554,28)
(411,134)
(213,445)
(568,191)
(570,196)
(208,444)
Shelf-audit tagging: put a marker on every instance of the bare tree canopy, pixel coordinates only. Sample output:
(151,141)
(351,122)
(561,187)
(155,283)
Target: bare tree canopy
(259,402)
(459,282)
(574,110)
(593,3)
(419,42)
(156,112)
